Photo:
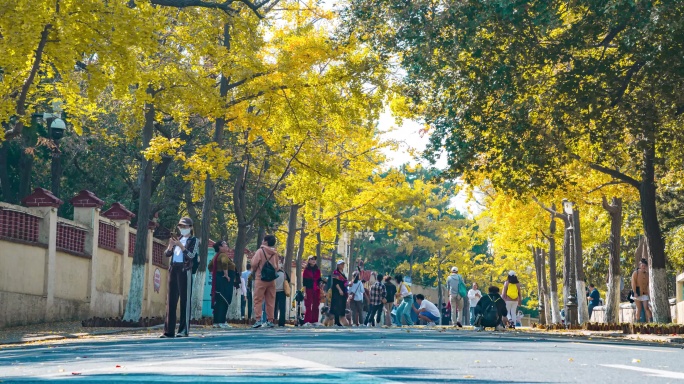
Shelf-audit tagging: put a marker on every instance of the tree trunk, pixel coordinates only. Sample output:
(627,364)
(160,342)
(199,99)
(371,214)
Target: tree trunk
(25,173)
(291,236)
(261,233)
(555,308)
(566,267)
(545,287)
(135,292)
(654,240)
(300,253)
(7,193)
(613,294)
(536,255)
(440,299)
(580,277)
(333,254)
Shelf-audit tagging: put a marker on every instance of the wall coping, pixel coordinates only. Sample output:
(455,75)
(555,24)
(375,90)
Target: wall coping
(18,208)
(41,198)
(113,223)
(71,223)
(86,199)
(159,241)
(118,212)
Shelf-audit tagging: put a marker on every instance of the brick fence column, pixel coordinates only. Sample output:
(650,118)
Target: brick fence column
(87,212)
(117,212)
(43,203)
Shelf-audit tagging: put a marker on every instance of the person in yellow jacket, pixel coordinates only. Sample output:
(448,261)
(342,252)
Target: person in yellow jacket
(512,297)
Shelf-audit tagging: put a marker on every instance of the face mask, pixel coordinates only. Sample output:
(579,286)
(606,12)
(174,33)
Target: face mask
(185,231)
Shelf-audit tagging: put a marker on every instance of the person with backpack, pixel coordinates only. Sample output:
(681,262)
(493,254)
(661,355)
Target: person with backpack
(491,311)
(456,295)
(512,296)
(184,256)
(404,309)
(264,266)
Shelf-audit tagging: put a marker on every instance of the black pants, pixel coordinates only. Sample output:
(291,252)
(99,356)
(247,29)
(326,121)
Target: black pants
(223,297)
(180,287)
(280,306)
(374,310)
(246,302)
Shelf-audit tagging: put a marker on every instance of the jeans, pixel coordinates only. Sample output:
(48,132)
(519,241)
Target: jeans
(472,315)
(404,311)
(372,312)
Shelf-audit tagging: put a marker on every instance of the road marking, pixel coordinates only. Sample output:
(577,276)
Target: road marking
(650,371)
(659,350)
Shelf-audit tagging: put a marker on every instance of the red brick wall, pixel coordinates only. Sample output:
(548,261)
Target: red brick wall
(18,226)
(70,238)
(158,254)
(108,234)
(131,243)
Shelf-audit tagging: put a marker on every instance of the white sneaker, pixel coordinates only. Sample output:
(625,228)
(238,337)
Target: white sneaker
(431,324)
(269,324)
(307,325)
(216,325)
(258,324)
(225,326)
(499,328)
(479,329)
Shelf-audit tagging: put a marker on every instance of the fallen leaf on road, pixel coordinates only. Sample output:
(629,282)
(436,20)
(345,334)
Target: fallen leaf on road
(477,361)
(361,362)
(61,370)
(76,373)
(468,377)
(636,361)
(118,366)
(571,359)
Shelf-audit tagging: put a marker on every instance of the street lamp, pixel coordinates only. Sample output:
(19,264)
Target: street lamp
(571,316)
(56,128)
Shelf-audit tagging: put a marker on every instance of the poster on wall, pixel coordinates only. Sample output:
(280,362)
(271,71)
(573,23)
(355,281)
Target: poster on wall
(157,280)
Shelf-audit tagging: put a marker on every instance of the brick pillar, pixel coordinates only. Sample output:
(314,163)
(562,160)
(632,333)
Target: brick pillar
(43,203)
(117,212)
(87,212)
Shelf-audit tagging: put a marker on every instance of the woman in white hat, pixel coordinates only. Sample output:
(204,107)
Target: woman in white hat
(512,295)
(338,302)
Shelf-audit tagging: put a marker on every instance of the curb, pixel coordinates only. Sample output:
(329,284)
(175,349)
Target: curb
(80,335)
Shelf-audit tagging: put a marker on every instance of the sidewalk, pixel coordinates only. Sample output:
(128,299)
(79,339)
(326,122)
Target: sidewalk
(35,333)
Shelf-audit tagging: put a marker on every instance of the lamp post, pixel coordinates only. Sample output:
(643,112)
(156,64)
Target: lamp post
(56,128)
(571,305)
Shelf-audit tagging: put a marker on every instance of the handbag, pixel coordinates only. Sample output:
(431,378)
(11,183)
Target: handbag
(286,289)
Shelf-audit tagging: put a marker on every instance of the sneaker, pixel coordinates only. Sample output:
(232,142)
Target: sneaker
(165,336)
(458,323)
(499,328)
(258,324)
(269,325)
(479,329)
(225,326)
(307,325)
(216,325)
(184,334)
(431,324)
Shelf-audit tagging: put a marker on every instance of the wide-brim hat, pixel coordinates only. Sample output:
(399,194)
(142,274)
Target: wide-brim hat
(185,221)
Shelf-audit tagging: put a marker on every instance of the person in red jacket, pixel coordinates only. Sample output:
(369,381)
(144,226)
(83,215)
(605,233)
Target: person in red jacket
(312,294)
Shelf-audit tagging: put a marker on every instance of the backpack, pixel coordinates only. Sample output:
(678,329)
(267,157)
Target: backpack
(462,289)
(491,313)
(514,293)
(268,273)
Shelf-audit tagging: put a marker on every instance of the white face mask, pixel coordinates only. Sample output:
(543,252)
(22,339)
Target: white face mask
(185,231)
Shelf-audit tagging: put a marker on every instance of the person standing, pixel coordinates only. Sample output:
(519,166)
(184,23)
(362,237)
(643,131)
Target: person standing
(474,295)
(281,298)
(183,252)
(512,297)
(264,291)
(391,290)
(246,288)
(404,309)
(338,299)
(356,291)
(311,278)
(640,287)
(378,294)
(594,298)
(455,298)
(223,278)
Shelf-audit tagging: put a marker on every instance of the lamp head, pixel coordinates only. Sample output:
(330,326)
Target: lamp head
(57,128)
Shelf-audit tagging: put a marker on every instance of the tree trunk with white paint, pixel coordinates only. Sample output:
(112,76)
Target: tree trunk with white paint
(582,304)
(198,283)
(553,291)
(613,293)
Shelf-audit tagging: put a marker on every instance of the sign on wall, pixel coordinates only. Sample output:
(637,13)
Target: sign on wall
(157,280)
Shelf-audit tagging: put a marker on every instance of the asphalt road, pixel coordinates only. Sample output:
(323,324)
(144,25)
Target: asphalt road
(349,356)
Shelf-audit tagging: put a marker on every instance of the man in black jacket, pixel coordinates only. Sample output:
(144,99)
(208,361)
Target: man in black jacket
(491,311)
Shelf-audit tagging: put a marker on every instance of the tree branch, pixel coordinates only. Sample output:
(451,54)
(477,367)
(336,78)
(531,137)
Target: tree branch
(613,182)
(625,83)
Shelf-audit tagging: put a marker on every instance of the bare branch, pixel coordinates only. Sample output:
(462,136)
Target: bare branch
(625,83)
(613,182)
